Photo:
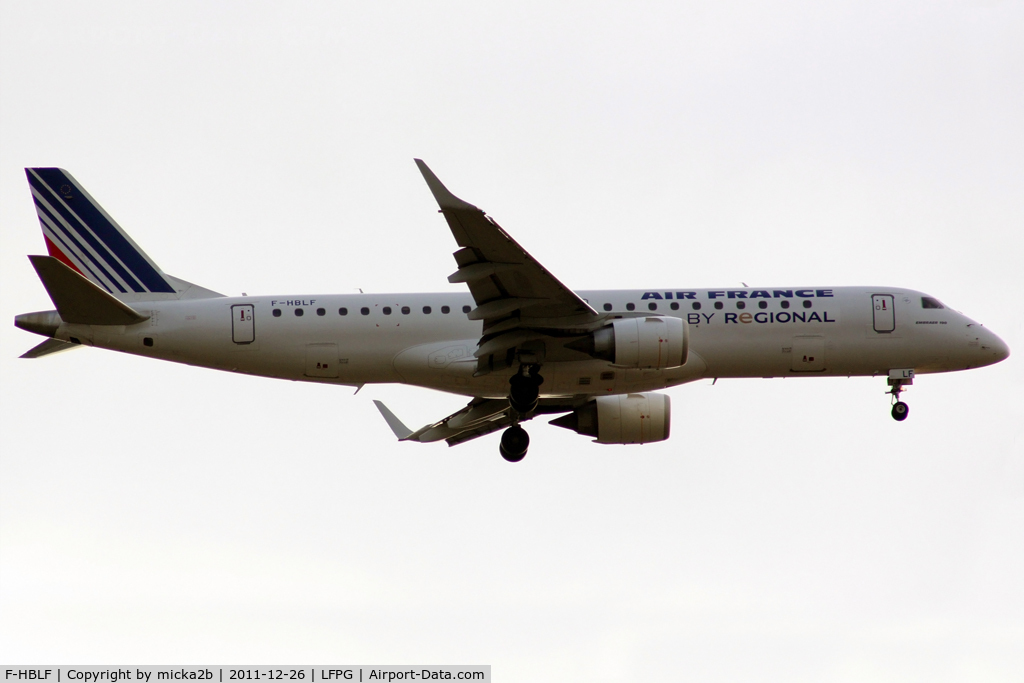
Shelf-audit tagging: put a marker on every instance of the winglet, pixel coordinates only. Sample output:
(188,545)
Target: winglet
(400,430)
(444,198)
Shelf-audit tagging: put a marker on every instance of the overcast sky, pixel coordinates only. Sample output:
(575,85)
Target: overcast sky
(788,531)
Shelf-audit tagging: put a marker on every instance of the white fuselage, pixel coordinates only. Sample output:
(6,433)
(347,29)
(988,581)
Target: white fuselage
(732,333)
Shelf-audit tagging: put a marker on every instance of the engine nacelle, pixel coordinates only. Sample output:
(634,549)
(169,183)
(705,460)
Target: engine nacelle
(656,342)
(626,418)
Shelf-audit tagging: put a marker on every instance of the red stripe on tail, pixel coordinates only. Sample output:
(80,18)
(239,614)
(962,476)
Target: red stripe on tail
(56,253)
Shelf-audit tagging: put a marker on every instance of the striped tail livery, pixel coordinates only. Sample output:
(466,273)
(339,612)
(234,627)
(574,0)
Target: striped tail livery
(82,236)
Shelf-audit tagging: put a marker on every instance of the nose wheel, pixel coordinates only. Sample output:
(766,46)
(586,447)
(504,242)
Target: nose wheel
(900,410)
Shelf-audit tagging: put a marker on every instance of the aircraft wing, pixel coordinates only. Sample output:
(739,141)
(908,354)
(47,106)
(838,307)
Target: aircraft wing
(482,416)
(517,299)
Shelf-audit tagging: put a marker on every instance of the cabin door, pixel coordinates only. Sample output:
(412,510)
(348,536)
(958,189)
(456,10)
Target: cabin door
(884,315)
(243,331)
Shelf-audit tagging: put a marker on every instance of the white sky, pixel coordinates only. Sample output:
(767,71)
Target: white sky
(789,531)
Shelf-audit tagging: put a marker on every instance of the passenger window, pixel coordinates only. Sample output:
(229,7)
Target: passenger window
(784,303)
(674,305)
(446,310)
(607,307)
(405,310)
(426,309)
(740,305)
(807,303)
(466,309)
(696,305)
(929,302)
(299,312)
(364,310)
(630,306)
(342,311)
(321,311)
(277,312)
(652,306)
(762,304)
(719,305)
(386,310)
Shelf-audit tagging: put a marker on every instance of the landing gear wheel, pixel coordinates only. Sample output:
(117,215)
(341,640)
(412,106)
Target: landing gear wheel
(900,410)
(514,444)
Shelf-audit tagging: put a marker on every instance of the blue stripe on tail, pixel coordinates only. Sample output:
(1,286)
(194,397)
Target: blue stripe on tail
(108,241)
(90,262)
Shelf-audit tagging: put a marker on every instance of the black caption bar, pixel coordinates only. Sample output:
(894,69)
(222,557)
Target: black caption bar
(251,674)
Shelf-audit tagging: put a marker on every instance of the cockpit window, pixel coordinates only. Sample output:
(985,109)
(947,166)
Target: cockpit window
(929,302)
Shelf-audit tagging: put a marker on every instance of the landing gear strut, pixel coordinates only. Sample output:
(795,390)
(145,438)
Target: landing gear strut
(524,389)
(523,397)
(897,380)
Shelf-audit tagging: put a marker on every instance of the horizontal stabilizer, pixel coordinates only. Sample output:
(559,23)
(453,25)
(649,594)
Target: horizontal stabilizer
(400,430)
(78,300)
(48,347)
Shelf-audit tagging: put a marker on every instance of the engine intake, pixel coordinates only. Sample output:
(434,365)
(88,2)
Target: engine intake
(622,419)
(656,342)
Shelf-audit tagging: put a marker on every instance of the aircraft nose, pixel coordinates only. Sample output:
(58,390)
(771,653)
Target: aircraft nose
(999,348)
(993,347)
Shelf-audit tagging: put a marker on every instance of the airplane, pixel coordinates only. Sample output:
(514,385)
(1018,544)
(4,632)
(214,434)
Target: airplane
(520,344)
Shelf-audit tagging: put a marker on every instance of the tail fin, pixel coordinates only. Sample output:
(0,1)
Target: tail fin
(82,236)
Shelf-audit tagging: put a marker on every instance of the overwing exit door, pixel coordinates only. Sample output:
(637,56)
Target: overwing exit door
(243,330)
(884,314)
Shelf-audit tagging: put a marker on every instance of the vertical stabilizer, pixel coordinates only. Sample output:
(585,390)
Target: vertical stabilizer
(82,236)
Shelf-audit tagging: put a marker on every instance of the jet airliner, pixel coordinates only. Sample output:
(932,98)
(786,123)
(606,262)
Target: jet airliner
(520,344)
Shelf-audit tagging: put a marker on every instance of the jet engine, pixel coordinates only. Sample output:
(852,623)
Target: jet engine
(656,342)
(626,418)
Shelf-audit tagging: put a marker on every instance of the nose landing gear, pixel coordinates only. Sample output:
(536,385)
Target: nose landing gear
(523,397)
(897,380)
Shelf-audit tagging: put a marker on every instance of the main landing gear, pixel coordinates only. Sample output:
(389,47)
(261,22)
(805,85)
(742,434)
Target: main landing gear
(523,397)
(897,380)
(514,443)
